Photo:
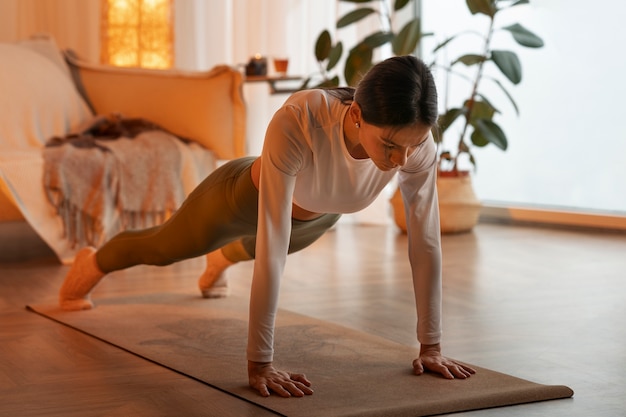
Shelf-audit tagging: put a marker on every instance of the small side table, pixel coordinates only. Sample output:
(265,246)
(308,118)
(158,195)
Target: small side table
(272,81)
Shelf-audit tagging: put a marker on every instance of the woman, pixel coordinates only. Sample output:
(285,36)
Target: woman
(326,152)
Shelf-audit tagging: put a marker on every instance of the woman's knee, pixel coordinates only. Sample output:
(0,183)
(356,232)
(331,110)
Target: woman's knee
(305,233)
(240,250)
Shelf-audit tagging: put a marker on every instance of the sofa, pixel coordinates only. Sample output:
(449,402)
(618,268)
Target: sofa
(46,93)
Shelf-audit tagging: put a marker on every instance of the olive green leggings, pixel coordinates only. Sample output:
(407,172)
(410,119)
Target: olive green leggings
(220,213)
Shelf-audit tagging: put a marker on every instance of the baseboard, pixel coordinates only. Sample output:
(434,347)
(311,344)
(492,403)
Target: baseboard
(552,217)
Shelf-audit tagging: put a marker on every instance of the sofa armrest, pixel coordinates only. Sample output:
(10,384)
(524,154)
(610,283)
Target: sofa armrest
(8,207)
(207,107)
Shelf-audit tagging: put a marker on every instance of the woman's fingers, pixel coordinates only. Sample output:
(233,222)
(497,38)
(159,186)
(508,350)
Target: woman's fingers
(300,378)
(449,369)
(461,371)
(266,379)
(289,387)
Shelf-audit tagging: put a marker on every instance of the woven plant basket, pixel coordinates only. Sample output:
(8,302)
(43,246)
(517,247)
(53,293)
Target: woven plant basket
(458,206)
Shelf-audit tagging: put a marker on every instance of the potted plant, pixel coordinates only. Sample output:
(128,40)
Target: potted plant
(474,117)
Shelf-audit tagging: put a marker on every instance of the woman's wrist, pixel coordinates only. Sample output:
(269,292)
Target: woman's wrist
(252,365)
(430,348)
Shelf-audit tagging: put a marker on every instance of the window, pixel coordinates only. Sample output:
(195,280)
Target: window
(566,148)
(137,33)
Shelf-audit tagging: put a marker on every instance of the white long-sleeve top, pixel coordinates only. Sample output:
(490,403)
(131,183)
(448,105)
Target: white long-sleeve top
(305,161)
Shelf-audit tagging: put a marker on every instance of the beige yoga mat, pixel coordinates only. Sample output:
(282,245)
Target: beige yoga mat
(353,373)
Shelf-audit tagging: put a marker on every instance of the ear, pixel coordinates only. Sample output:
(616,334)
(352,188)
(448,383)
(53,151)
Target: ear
(355,112)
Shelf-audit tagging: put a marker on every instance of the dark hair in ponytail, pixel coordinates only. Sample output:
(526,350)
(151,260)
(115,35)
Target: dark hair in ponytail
(398,91)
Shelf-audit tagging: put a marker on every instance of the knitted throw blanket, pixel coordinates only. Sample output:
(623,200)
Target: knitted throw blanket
(112,175)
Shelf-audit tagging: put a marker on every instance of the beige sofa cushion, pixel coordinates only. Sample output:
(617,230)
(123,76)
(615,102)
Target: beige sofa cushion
(38,99)
(206,107)
(46,46)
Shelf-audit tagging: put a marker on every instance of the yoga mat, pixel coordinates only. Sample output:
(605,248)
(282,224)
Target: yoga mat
(353,373)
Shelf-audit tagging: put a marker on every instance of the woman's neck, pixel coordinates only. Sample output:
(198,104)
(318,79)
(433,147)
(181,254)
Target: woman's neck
(351,138)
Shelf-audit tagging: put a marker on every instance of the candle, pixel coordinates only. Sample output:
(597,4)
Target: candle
(257,65)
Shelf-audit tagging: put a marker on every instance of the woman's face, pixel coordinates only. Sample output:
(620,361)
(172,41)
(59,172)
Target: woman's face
(388,147)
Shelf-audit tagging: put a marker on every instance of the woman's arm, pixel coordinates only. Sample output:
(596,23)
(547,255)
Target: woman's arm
(272,243)
(419,193)
(281,159)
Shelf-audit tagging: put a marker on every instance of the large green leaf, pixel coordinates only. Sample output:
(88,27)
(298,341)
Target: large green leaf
(399,4)
(480,110)
(469,59)
(509,64)
(478,139)
(407,39)
(378,38)
(523,36)
(517,3)
(444,43)
(489,132)
(334,56)
(483,98)
(354,16)
(359,61)
(445,120)
(323,46)
(487,7)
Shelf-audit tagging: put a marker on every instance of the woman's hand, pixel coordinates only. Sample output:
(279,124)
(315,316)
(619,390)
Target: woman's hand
(431,359)
(264,377)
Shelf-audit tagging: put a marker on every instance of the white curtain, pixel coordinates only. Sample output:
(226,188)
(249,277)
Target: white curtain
(75,24)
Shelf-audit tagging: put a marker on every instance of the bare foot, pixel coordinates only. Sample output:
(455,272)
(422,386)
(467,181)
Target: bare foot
(213,282)
(80,280)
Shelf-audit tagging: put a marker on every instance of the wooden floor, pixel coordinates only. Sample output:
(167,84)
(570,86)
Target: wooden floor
(542,304)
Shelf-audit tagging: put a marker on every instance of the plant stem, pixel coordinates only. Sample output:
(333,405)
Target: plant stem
(463,147)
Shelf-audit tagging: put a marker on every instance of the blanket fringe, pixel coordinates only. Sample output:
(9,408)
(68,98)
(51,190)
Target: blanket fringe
(81,229)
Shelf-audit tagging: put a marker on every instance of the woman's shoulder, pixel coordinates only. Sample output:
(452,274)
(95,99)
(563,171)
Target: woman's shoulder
(328,96)
(315,104)
(306,96)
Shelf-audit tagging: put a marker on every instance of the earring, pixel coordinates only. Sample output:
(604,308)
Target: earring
(358,125)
